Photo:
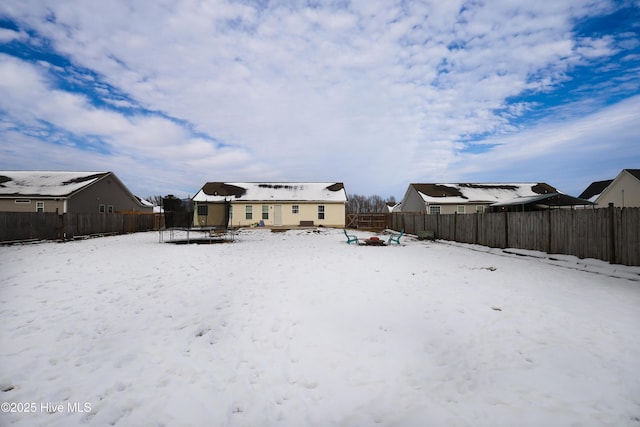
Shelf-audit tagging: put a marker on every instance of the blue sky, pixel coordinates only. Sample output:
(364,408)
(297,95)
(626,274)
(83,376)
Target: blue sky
(374,93)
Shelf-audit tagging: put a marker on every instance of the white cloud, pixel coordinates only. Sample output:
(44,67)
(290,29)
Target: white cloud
(590,48)
(548,151)
(301,92)
(33,106)
(8,35)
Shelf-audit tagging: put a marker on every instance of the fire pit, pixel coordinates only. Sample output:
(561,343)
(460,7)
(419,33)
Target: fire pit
(374,241)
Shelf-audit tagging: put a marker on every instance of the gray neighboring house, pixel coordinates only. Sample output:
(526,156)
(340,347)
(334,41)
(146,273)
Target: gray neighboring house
(466,198)
(67,192)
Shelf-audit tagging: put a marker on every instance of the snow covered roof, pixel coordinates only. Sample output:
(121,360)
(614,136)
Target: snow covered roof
(272,191)
(479,193)
(144,202)
(551,199)
(45,183)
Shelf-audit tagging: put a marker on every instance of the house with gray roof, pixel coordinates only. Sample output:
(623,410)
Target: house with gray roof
(465,198)
(67,192)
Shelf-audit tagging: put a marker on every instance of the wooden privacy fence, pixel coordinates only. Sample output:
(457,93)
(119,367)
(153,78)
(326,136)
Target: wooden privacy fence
(610,234)
(372,221)
(21,226)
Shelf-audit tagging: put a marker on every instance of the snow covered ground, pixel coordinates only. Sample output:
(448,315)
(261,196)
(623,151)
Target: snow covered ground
(301,329)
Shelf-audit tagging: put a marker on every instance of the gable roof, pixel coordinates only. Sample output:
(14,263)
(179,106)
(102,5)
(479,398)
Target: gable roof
(598,188)
(634,172)
(272,191)
(45,183)
(551,199)
(595,189)
(480,192)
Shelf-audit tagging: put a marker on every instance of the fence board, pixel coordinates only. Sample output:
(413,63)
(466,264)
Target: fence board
(21,226)
(528,230)
(16,226)
(610,234)
(372,221)
(492,230)
(466,228)
(628,245)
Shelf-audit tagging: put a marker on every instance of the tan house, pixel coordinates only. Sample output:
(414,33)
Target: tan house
(623,191)
(465,198)
(241,204)
(67,192)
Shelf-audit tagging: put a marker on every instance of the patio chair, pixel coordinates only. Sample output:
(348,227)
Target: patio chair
(351,238)
(395,237)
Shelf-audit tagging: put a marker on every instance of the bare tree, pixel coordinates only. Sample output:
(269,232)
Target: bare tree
(156,200)
(368,204)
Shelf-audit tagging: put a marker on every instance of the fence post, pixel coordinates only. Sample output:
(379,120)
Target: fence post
(67,225)
(506,229)
(60,227)
(548,231)
(612,238)
(455,226)
(476,237)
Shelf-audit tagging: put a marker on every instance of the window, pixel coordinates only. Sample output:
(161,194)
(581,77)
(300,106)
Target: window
(480,209)
(265,211)
(110,209)
(39,206)
(230,211)
(101,208)
(295,209)
(22,201)
(248,212)
(203,210)
(320,211)
(434,210)
(460,209)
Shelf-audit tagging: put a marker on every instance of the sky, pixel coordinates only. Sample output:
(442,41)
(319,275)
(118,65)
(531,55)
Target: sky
(373,93)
